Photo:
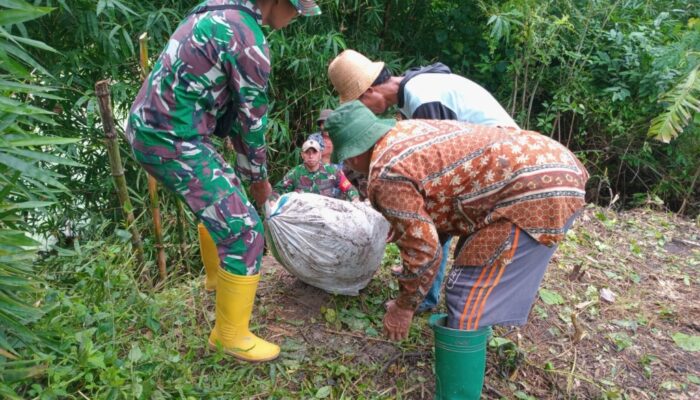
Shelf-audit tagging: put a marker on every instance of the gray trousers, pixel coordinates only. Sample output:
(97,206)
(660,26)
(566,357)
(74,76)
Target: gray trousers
(500,292)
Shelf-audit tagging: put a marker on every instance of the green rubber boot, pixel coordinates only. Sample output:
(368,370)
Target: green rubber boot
(460,360)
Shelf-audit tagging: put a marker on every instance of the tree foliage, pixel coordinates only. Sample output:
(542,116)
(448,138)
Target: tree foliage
(606,78)
(27,181)
(601,77)
(683,102)
(589,74)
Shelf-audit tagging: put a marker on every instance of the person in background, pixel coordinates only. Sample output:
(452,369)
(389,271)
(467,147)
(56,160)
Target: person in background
(357,180)
(212,78)
(431,92)
(510,196)
(322,137)
(315,176)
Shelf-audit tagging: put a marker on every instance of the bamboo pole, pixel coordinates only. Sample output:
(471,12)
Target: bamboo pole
(152,184)
(115,162)
(180,209)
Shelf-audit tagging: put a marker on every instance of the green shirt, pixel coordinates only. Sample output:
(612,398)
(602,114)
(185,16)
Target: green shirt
(327,181)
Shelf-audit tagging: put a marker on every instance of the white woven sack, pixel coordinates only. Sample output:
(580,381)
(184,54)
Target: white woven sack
(332,244)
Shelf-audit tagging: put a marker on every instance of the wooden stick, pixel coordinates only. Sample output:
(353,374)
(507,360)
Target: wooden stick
(686,242)
(152,184)
(181,220)
(143,55)
(401,354)
(115,162)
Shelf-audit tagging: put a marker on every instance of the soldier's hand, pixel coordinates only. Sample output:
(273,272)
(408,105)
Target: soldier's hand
(273,197)
(260,191)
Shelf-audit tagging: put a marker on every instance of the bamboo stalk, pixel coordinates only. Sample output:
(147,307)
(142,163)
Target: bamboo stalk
(179,209)
(157,226)
(691,189)
(115,163)
(152,184)
(181,219)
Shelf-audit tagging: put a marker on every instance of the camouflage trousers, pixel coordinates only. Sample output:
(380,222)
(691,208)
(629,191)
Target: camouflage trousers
(198,174)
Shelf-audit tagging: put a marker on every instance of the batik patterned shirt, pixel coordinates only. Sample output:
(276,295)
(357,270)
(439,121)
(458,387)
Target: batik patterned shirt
(212,58)
(328,180)
(430,177)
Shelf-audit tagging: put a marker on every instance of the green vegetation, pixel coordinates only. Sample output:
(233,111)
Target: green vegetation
(26,183)
(615,81)
(594,75)
(107,335)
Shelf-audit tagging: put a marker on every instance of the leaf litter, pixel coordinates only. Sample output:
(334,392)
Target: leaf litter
(616,318)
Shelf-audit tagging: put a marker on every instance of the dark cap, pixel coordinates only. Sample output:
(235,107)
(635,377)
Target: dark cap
(323,116)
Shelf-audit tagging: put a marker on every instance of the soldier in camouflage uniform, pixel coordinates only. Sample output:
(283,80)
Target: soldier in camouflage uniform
(214,66)
(315,176)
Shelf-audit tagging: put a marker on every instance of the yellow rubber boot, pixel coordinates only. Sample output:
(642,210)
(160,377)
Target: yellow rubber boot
(234,303)
(210,257)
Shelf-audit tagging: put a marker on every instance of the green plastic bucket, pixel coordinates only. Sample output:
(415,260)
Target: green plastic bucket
(460,360)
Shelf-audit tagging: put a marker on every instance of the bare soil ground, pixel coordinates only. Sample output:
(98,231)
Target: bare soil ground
(618,317)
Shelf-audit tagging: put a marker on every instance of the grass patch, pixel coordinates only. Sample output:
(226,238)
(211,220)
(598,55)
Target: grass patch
(107,334)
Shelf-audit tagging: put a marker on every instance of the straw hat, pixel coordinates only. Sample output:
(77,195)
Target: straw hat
(352,74)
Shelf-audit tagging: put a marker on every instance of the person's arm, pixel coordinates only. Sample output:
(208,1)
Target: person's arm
(248,72)
(346,187)
(287,184)
(416,237)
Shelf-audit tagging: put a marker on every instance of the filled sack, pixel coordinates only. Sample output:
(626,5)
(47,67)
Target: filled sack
(332,244)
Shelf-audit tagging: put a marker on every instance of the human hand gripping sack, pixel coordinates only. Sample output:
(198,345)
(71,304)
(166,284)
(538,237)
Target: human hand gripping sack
(397,321)
(260,191)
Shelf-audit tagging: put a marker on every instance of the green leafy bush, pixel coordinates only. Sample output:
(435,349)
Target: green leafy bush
(26,184)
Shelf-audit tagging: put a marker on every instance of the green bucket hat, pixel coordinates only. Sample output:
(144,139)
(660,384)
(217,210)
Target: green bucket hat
(354,129)
(306,8)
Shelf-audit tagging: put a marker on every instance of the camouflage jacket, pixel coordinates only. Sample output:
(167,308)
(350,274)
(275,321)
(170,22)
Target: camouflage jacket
(327,181)
(212,58)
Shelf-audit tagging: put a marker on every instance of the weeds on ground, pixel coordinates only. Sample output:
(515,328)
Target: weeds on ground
(614,319)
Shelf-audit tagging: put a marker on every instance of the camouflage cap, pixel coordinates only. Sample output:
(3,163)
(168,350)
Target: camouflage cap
(306,8)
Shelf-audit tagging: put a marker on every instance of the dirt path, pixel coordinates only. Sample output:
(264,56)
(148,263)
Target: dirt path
(619,303)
